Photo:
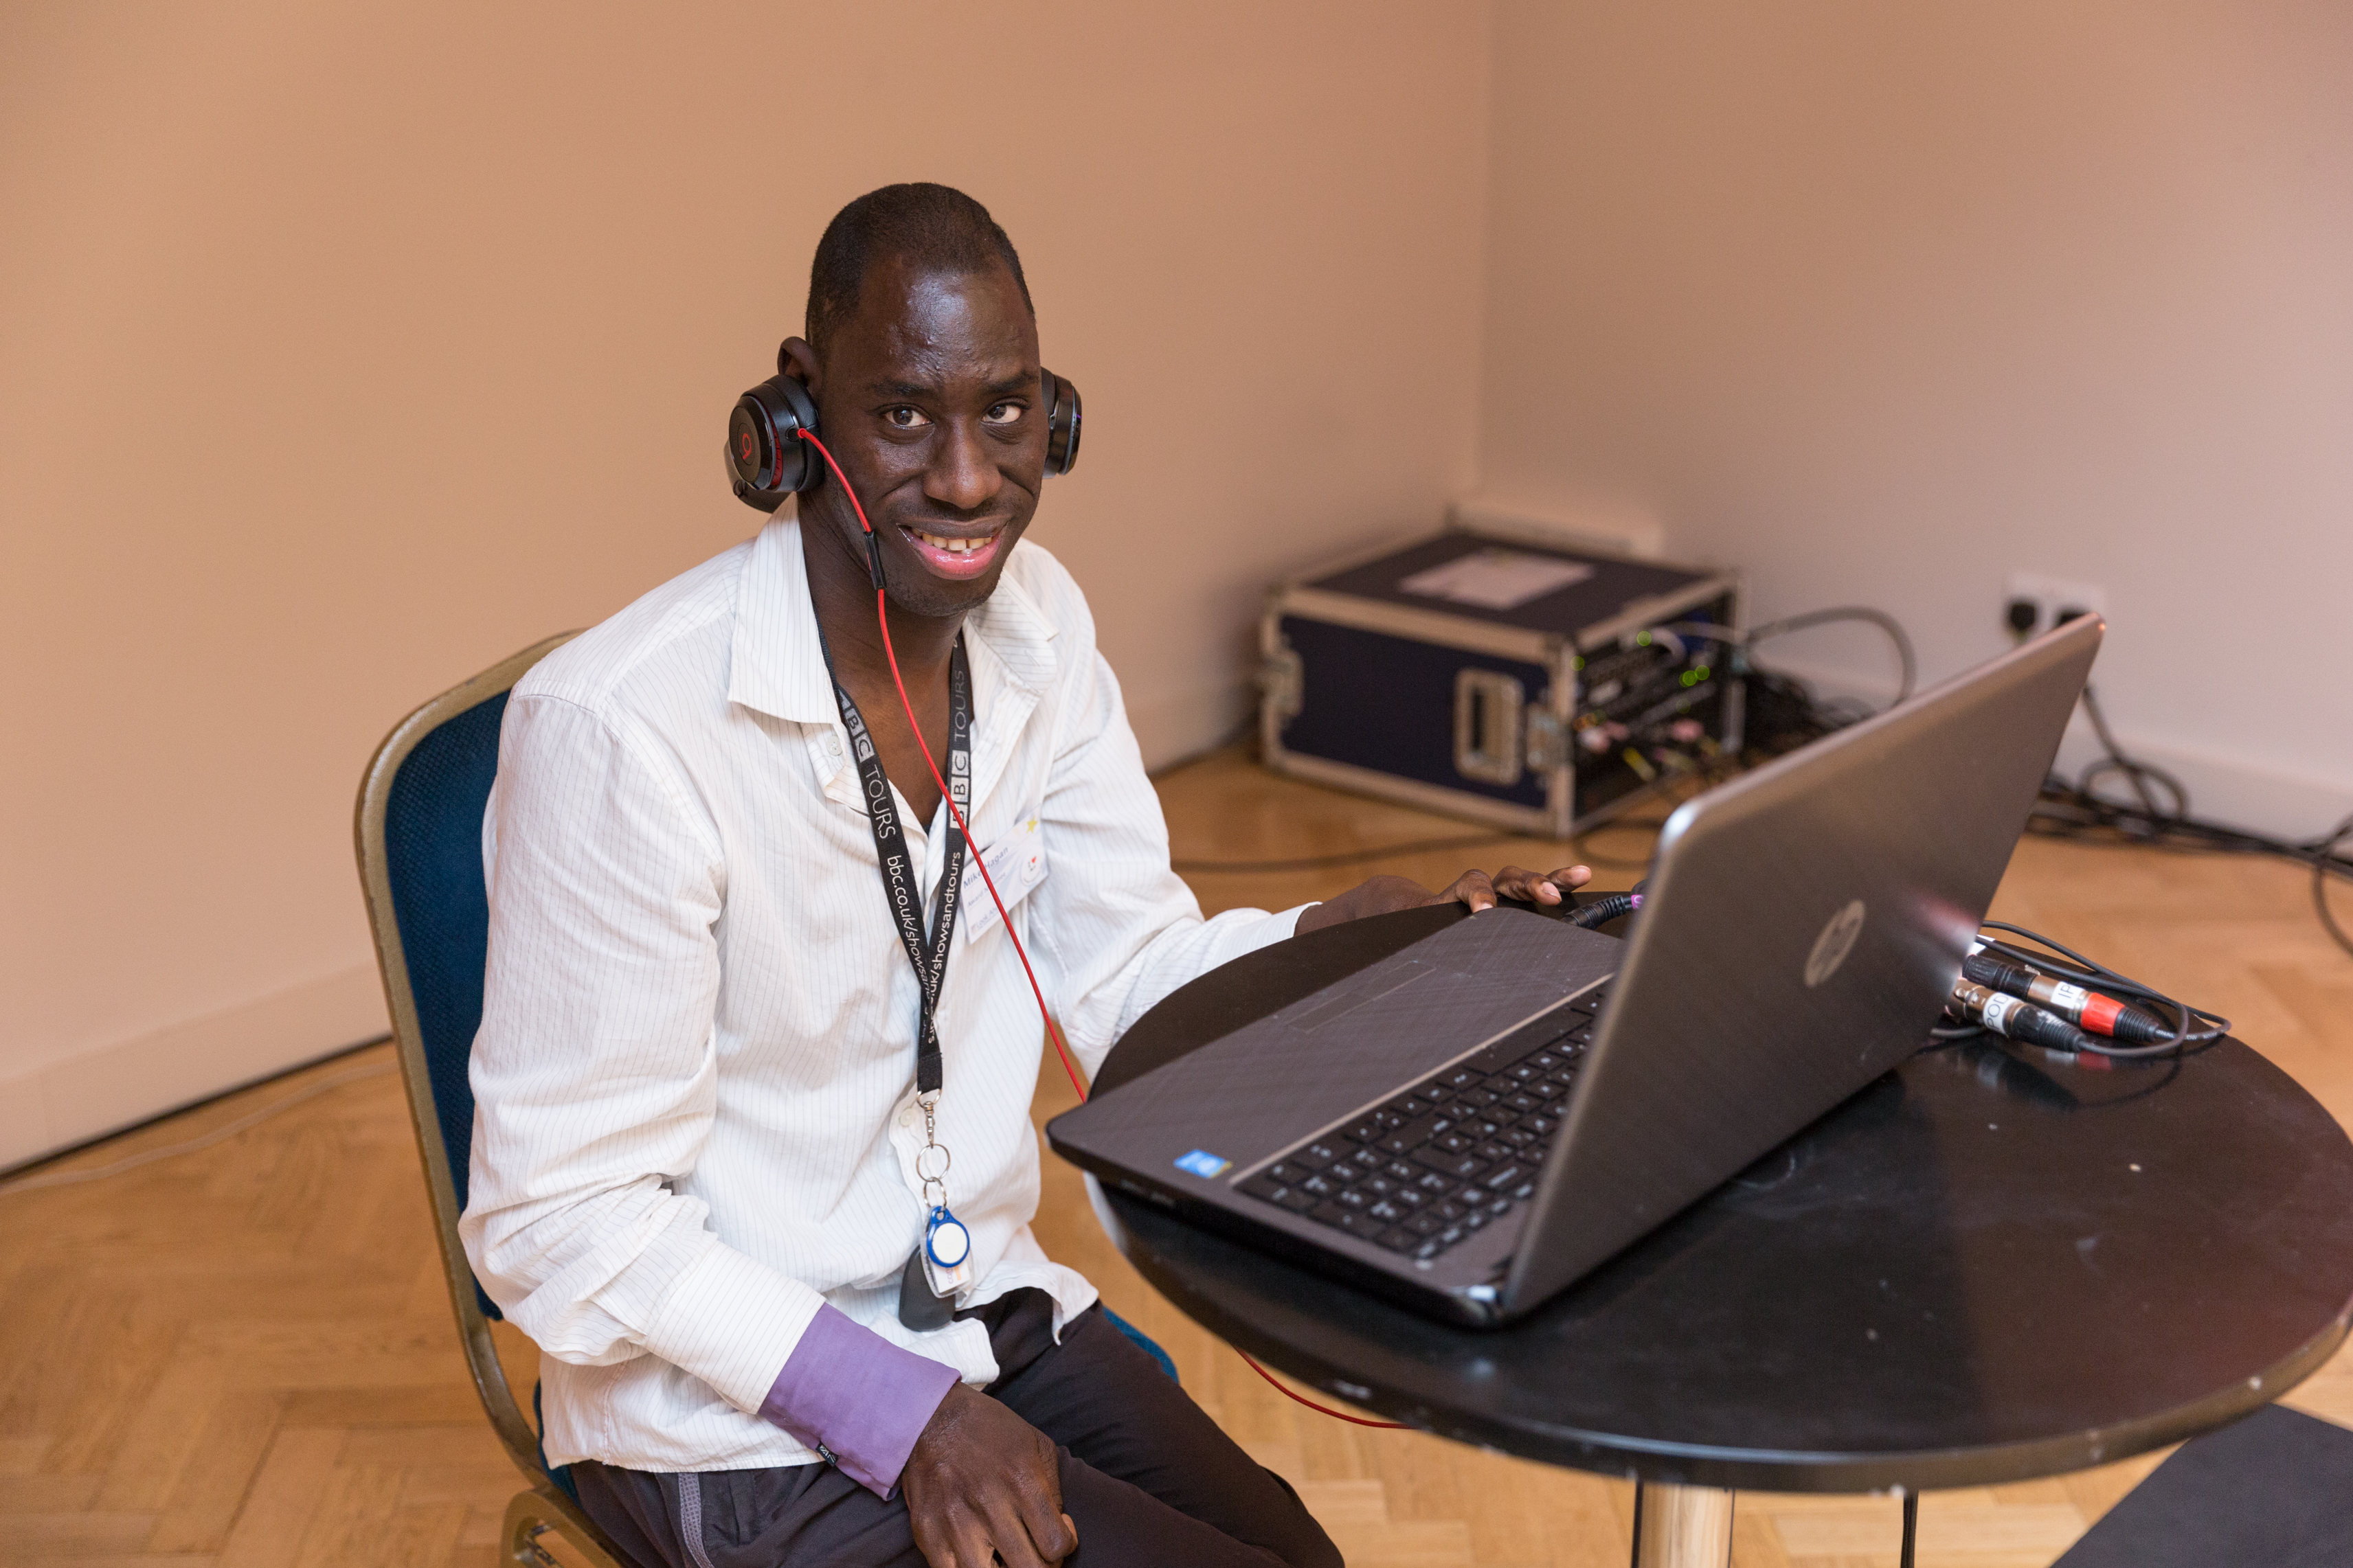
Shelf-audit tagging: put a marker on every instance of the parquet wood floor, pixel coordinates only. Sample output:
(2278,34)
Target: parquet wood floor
(243,1356)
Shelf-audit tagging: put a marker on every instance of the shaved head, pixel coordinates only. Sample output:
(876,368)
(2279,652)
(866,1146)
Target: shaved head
(926,227)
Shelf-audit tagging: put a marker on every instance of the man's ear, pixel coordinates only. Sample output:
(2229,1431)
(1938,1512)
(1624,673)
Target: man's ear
(799,361)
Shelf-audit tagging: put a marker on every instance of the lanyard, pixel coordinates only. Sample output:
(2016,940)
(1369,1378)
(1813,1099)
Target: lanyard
(900,885)
(941,1263)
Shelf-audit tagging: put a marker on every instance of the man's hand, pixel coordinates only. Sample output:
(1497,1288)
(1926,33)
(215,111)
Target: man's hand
(982,1479)
(1383,895)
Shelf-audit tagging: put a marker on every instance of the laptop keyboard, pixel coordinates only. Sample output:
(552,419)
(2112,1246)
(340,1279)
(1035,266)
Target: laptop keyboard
(1446,1157)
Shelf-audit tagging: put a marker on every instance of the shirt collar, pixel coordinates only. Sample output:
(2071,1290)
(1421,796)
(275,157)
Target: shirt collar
(777,665)
(1010,625)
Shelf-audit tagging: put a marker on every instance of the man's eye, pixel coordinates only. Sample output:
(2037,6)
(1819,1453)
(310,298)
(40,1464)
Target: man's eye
(905,418)
(1004,414)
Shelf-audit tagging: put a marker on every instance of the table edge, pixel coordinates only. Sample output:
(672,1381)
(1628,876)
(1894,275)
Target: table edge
(1656,1461)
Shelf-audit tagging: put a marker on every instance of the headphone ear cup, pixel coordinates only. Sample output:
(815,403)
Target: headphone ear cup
(1063,413)
(766,459)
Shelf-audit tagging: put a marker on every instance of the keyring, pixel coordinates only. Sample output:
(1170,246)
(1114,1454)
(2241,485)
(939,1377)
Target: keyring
(947,1162)
(946,1226)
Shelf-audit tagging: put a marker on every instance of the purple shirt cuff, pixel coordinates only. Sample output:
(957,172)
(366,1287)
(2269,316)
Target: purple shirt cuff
(855,1395)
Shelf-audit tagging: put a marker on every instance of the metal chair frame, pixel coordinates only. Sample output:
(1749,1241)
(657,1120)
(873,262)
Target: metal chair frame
(544,1507)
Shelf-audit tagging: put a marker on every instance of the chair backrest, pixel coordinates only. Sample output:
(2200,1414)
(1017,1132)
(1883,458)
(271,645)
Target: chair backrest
(419,832)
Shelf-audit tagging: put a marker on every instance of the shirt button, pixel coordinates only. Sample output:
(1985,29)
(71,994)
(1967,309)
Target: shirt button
(832,743)
(906,1119)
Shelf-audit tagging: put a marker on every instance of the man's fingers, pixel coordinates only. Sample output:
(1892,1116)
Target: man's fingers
(943,1542)
(1044,1525)
(977,1547)
(1471,888)
(1517,882)
(1380,895)
(984,1485)
(1006,1533)
(1057,1538)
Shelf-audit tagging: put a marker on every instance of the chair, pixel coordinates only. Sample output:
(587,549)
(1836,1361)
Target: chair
(420,849)
(419,833)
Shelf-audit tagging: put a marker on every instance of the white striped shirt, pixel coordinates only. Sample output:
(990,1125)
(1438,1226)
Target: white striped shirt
(695,1078)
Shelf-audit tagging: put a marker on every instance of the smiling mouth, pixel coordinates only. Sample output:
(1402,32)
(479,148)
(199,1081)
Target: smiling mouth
(952,546)
(956,556)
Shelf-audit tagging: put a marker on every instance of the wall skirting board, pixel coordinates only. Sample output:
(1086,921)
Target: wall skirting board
(107,1087)
(2240,792)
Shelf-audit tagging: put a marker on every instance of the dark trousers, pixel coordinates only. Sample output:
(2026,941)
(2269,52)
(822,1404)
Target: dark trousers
(1146,1477)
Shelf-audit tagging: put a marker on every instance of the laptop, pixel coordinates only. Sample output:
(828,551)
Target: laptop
(1471,1123)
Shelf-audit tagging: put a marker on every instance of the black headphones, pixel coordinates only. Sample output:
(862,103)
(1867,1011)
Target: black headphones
(768,462)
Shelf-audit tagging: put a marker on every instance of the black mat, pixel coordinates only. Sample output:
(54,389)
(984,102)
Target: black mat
(2275,1491)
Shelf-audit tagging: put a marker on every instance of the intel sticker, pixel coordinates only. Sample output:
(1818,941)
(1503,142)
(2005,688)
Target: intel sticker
(1202,1162)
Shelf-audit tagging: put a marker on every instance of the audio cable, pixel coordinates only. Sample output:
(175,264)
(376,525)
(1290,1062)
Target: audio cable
(2006,1003)
(1907,661)
(883,619)
(2090,1011)
(2006,1016)
(1605,909)
(1054,1032)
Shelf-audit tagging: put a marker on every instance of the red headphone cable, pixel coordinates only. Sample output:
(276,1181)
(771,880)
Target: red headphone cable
(883,619)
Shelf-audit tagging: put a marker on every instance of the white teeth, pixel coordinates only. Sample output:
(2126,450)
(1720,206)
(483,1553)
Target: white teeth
(952,546)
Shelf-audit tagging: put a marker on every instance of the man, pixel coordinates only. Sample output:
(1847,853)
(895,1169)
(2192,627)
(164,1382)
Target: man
(703,1179)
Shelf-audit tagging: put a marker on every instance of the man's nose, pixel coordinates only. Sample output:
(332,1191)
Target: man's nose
(962,474)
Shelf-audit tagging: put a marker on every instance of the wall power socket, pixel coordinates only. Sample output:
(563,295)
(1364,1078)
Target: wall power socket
(2033,603)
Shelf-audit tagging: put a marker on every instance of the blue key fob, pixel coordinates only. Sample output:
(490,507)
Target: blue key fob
(947,1253)
(945,1241)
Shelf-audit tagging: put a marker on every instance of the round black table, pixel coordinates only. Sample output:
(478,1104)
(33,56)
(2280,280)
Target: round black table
(1986,1267)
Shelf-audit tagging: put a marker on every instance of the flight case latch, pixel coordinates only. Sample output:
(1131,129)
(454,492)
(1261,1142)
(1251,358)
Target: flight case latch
(1283,680)
(1547,741)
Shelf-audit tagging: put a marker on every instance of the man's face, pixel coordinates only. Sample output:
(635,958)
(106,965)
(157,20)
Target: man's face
(929,398)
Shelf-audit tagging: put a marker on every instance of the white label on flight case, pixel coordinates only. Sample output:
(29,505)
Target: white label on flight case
(1495,579)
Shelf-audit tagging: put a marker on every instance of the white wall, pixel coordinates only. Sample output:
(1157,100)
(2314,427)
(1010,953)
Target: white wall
(348,349)
(1883,302)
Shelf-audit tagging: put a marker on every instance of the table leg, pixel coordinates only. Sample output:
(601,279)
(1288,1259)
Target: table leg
(1682,1527)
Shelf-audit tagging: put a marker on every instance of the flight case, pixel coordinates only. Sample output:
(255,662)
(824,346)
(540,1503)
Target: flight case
(1507,678)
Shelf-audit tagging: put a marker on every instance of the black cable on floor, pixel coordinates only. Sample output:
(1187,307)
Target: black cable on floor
(2326,860)
(2077,811)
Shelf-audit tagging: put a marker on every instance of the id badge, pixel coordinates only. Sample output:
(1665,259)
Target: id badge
(947,1253)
